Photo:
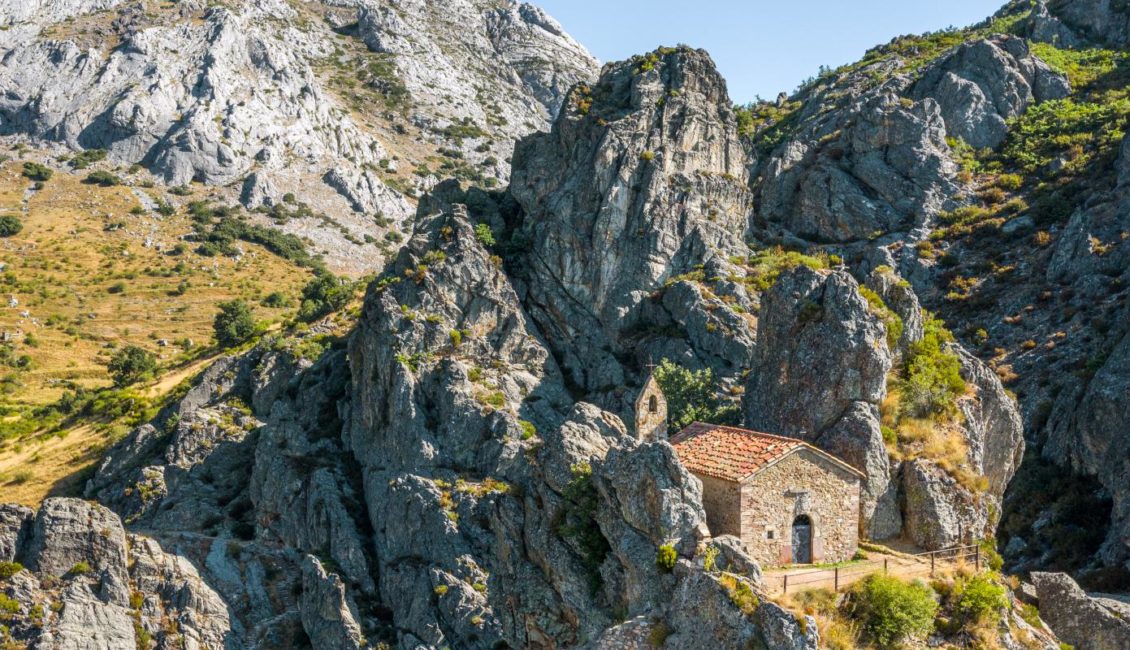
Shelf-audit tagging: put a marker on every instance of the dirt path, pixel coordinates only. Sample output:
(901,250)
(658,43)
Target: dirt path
(168,382)
(791,579)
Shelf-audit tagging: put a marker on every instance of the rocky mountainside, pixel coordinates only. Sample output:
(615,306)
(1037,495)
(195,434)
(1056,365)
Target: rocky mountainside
(458,472)
(345,103)
(916,263)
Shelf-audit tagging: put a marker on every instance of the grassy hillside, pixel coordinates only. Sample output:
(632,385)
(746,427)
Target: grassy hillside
(103,259)
(93,270)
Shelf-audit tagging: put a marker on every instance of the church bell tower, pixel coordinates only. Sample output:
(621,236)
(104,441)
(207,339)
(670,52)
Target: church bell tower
(651,411)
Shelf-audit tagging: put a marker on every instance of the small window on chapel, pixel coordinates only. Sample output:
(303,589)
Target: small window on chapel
(769,534)
(652,404)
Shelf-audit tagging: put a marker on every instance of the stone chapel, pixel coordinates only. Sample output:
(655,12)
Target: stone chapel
(787,501)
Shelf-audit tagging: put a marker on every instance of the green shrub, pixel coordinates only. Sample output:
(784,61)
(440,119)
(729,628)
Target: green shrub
(965,215)
(1031,615)
(86,158)
(1083,67)
(576,522)
(218,227)
(528,429)
(484,235)
(980,600)
(80,569)
(131,364)
(891,321)
(103,178)
(710,558)
(665,558)
(891,610)
(933,380)
(890,436)
(10,225)
(1072,128)
(989,555)
(9,569)
(765,266)
(324,294)
(234,323)
(37,172)
(463,129)
(1010,182)
(740,593)
(276,300)
(767,123)
(9,608)
(692,396)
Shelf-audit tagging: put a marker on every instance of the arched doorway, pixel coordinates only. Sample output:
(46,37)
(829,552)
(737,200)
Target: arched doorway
(802,540)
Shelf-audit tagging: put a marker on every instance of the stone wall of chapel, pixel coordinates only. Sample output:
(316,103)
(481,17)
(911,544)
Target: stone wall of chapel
(804,483)
(722,501)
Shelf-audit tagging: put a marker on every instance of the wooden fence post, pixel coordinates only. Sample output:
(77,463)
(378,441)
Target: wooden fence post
(785,588)
(977,556)
(836,579)
(932,564)
(885,571)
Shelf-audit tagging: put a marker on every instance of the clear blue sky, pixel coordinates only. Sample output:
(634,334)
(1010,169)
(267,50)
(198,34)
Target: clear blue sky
(761,47)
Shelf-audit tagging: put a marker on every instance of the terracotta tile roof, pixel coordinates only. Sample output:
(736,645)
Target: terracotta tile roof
(734,454)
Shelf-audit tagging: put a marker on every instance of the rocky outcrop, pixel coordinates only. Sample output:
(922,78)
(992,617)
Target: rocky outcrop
(979,86)
(819,372)
(641,180)
(1071,24)
(69,533)
(1084,622)
(875,165)
(327,611)
(15,525)
(535,46)
(938,511)
(431,403)
(172,589)
(85,587)
(819,351)
(1088,430)
(993,428)
(37,12)
(443,54)
(459,488)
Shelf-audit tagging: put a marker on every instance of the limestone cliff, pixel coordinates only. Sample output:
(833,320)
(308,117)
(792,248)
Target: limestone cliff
(268,97)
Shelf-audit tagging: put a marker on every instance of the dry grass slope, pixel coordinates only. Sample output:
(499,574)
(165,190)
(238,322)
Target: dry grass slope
(96,268)
(93,270)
